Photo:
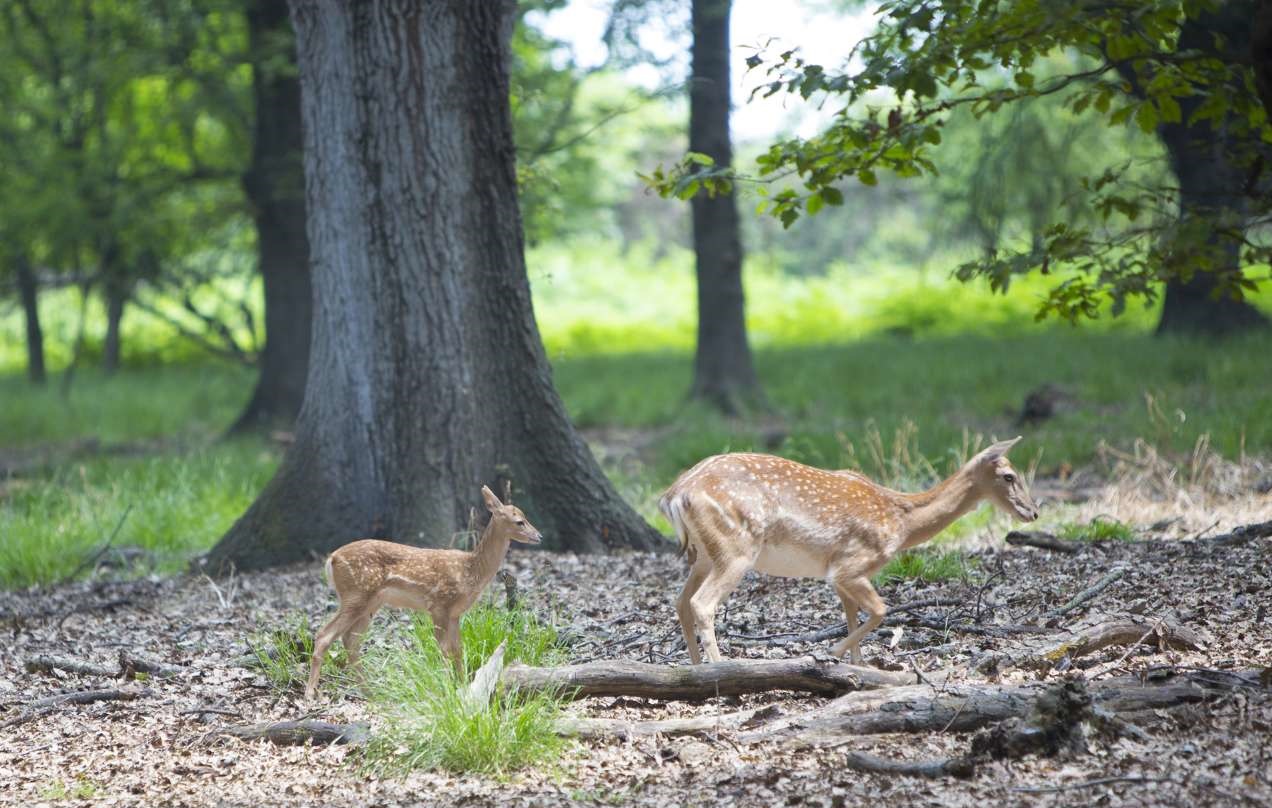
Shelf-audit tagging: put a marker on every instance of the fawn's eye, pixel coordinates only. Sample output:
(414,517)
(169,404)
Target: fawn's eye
(521,521)
(1009,477)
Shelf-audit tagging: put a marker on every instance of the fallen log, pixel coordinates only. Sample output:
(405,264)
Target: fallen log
(941,767)
(44,706)
(128,666)
(694,682)
(1042,541)
(1243,534)
(618,728)
(295,733)
(964,708)
(1122,631)
(46,663)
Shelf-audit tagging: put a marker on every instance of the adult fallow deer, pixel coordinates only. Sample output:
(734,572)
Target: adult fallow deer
(736,512)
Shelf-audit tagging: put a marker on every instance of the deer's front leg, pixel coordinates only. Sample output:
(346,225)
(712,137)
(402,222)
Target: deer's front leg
(859,589)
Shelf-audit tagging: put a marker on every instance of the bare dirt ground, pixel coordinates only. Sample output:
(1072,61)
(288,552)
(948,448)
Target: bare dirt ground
(159,749)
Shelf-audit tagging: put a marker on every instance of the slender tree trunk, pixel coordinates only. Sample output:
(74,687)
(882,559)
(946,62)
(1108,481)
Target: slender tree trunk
(724,374)
(275,187)
(428,376)
(116,293)
(28,290)
(1211,167)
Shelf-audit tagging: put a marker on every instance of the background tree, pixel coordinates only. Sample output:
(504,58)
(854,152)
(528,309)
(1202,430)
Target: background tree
(428,376)
(723,371)
(275,187)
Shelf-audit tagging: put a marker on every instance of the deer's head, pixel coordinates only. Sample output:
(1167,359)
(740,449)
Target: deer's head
(510,520)
(1000,483)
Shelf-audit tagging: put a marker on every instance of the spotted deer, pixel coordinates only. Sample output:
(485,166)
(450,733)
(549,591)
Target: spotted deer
(370,573)
(737,512)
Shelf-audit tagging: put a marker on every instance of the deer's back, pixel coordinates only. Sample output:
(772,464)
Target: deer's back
(372,565)
(800,515)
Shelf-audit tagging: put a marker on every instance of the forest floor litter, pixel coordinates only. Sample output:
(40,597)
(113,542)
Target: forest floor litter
(160,740)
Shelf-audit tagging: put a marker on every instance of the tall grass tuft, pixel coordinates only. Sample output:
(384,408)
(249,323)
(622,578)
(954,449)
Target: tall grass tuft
(926,564)
(428,724)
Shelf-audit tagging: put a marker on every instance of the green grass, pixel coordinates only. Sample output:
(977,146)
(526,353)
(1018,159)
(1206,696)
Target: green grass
(1098,529)
(169,506)
(283,653)
(926,564)
(171,402)
(426,723)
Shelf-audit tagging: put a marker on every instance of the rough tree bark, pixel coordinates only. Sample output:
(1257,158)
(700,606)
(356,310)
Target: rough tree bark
(28,290)
(427,373)
(275,188)
(116,288)
(724,373)
(1207,162)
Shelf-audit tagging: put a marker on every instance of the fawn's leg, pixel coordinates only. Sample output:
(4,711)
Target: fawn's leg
(697,574)
(346,617)
(352,639)
(859,589)
(453,647)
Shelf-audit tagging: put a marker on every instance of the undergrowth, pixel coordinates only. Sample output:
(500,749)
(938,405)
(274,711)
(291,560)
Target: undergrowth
(428,724)
(926,564)
(1101,528)
(283,653)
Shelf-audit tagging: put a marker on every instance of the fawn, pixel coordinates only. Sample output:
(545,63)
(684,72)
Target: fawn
(370,573)
(737,512)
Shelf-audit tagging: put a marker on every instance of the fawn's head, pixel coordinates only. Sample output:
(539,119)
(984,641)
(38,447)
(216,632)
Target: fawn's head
(510,519)
(1001,483)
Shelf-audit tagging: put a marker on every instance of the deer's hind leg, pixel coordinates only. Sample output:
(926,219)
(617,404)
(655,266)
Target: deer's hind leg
(697,574)
(347,617)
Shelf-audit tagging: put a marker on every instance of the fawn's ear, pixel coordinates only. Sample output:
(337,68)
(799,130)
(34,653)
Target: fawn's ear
(492,501)
(996,451)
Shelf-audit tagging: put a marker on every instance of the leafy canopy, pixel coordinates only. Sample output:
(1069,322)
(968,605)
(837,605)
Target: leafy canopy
(1137,63)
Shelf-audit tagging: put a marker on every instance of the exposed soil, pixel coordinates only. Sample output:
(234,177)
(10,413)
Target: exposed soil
(156,750)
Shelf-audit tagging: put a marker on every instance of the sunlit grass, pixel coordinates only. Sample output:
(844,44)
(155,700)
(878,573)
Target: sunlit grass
(168,507)
(926,564)
(1098,529)
(427,723)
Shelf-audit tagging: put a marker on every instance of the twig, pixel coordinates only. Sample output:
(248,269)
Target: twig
(215,710)
(1102,781)
(93,559)
(1088,594)
(49,704)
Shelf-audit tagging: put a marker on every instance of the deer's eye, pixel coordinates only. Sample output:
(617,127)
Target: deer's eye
(521,521)
(1009,477)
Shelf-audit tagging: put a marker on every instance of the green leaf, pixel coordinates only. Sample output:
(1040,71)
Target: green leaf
(832,195)
(867,177)
(1146,116)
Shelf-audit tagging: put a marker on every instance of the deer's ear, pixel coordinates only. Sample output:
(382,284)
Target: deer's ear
(492,501)
(996,451)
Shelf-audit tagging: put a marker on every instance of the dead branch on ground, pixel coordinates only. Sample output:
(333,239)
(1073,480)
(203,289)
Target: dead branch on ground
(1042,541)
(694,682)
(295,733)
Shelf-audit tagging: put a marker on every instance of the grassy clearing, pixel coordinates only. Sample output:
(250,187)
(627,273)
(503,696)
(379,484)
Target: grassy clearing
(167,506)
(428,725)
(183,403)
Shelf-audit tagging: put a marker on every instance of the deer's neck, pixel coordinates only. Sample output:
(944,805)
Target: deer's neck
(937,508)
(487,556)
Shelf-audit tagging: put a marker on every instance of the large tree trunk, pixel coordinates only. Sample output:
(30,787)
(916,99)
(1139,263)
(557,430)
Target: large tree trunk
(275,187)
(1211,167)
(428,376)
(724,374)
(28,290)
